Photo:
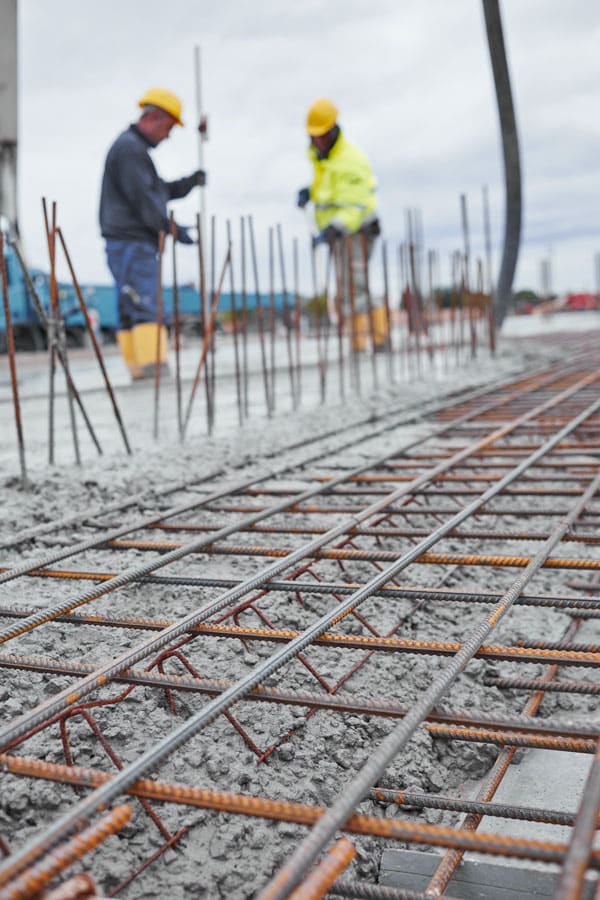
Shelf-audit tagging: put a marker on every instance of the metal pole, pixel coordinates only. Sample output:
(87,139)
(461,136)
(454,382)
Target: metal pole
(244,313)
(159,321)
(176,325)
(96,346)
(11,361)
(41,314)
(202,137)
(388,313)
(234,322)
(489,283)
(259,315)
(337,255)
(272,314)
(211,359)
(286,317)
(512,163)
(206,340)
(202,293)
(316,301)
(297,321)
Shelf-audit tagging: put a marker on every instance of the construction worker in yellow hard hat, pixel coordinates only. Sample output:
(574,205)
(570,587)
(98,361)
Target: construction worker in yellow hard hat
(133,212)
(343,192)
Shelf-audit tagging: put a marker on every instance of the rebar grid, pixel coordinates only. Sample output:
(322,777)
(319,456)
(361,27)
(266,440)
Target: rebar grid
(372,614)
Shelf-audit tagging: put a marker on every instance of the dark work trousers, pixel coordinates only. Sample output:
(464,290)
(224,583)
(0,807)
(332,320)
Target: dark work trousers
(134,266)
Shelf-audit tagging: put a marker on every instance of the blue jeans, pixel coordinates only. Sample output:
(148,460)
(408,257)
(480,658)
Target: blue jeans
(134,266)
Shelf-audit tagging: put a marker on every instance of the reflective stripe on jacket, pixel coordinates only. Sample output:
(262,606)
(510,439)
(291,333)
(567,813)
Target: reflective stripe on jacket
(344,187)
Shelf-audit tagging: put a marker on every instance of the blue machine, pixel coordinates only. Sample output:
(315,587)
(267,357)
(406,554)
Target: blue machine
(101,302)
(27,327)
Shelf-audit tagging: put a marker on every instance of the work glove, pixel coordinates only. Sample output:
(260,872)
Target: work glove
(303,197)
(184,236)
(328,236)
(199,177)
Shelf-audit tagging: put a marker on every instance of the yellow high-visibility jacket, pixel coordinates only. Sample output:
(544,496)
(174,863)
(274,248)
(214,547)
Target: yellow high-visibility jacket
(344,187)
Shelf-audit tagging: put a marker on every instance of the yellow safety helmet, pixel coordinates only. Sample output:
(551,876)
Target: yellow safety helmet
(164,100)
(321,117)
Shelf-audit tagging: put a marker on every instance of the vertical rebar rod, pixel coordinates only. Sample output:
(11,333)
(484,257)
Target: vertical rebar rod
(287,321)
(487,232)
(327,323)
(415,299)
(202,292)
(403,339)
(52,326)
(272,318)
(10,346)
(297,321)
(355,354)
(41,314)
(206,340)
(467,274)
(244,313)
(388,312)
(317,309)
(211,372)
(259,317)
(201,138)
(234,325)
(364,252)
(176,324)
(339,311)
(59,337)
(159,322)
(94,340)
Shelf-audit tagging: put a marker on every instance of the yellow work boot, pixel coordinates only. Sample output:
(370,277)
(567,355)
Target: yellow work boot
(381,332)
(147,339)
(360,332)
(125,342)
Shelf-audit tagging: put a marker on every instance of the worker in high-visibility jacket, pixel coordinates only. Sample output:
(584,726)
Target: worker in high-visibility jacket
(344,195)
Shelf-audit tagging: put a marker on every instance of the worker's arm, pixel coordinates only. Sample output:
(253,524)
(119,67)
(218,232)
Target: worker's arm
(182,186)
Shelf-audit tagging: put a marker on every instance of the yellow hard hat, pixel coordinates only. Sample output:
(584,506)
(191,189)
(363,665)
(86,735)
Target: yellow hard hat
(164,100)
(321,117)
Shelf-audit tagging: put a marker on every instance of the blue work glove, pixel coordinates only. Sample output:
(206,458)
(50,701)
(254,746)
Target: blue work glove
(303,197)
(328,236)
(184,236)
(200,177)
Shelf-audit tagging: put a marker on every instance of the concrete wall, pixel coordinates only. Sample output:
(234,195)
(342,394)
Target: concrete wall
(8,110)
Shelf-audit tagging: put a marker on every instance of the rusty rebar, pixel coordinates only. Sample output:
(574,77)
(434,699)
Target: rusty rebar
(234,325)
(94,340)
(159,326)
(10,346)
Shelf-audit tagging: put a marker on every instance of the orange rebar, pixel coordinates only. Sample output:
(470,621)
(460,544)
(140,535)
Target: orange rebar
(35,879)
(299,813)
(441,559)
(326,872)
(79,887)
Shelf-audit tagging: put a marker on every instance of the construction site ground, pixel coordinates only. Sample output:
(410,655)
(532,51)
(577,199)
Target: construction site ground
(283,751)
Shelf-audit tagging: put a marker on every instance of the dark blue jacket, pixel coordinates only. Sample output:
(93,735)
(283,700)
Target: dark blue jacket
(133,200)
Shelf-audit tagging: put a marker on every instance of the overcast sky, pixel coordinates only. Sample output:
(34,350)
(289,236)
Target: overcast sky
(411,79)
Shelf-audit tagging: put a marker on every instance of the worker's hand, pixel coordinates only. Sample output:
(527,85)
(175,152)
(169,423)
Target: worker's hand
(328,236)
(200,176)
(184,236)
(303,197)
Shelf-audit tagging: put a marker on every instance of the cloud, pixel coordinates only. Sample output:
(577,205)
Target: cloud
(412,81)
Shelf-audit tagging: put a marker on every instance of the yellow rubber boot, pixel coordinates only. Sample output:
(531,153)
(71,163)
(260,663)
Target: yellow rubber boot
(125,342)
(360,332)
(380,326)
(147,338)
